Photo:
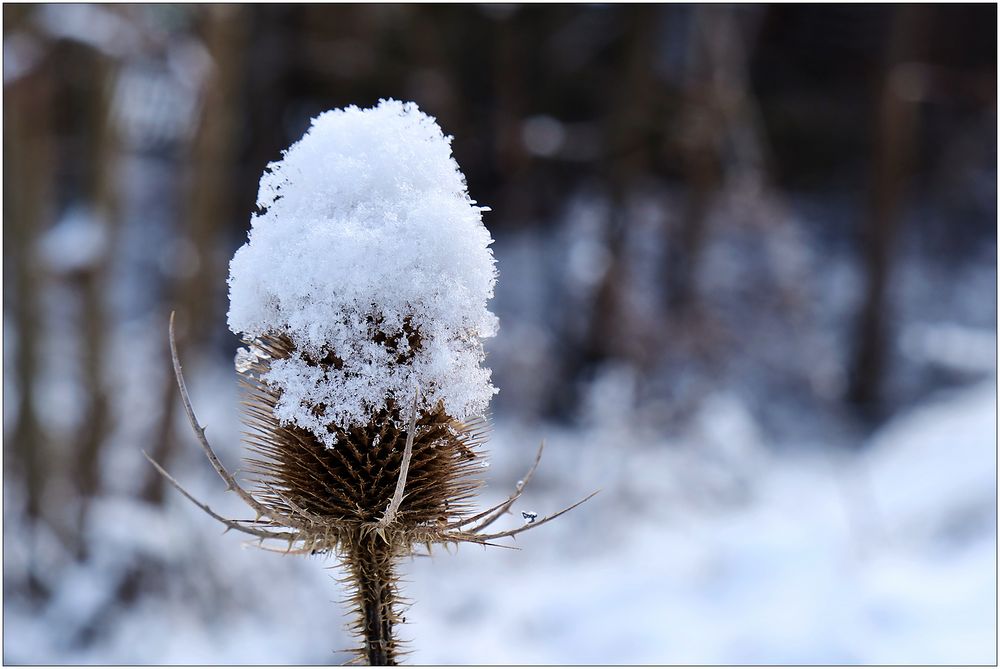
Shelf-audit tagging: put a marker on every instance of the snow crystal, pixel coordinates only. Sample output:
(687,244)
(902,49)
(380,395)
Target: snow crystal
(368,252)
(244,360)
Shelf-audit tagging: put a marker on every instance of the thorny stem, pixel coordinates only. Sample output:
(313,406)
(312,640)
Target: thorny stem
(371,564)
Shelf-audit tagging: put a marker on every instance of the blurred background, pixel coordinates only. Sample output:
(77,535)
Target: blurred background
(747,287)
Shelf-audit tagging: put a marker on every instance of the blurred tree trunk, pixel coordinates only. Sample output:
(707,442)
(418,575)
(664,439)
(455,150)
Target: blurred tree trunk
(435,73)
(509,110)
(700,145)
(27,208)
(723,145)
(99,172)
(895,136)
(198,298)
(626,131)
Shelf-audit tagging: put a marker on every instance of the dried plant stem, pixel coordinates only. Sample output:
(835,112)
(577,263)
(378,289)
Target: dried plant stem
(397,495)
(372,567)
(491,515)
(231,524)
(538,523)
(199,431)
(372,570)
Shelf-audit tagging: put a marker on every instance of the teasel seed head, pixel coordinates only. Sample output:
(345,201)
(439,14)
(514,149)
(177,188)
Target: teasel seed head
(361,296)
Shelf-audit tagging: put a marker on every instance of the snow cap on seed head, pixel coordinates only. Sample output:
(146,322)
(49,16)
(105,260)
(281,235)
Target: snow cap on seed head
(368,249)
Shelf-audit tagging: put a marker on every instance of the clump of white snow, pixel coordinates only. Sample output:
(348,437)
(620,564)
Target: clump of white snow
(367,242)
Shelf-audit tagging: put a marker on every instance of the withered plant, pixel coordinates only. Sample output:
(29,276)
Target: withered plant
(371,476)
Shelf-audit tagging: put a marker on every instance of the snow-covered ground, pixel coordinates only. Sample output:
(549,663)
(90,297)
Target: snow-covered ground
(708,548)
(885,558)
